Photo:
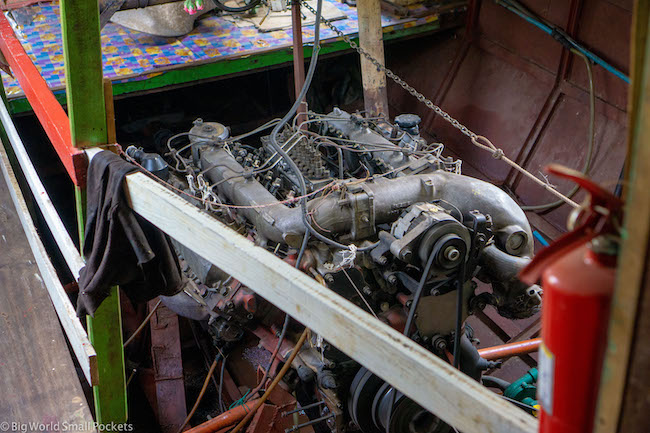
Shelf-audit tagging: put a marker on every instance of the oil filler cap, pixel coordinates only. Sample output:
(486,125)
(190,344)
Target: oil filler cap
(408,121)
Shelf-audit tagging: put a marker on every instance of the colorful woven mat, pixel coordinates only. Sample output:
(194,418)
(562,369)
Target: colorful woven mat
(129,55)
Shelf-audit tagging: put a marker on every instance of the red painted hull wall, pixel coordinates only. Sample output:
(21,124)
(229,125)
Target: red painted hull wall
(508,80)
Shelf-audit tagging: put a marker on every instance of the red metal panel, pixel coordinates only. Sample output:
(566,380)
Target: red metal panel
(564,140)
(605,28)
(48,110)
(520,37)
(495,99)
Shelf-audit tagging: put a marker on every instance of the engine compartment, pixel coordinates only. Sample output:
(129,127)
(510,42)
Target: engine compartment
(376,214)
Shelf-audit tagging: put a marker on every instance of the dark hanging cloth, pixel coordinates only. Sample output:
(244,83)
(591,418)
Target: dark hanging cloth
(121,247)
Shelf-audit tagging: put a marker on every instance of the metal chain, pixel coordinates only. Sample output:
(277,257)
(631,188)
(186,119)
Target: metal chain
(390,74)
(478,140)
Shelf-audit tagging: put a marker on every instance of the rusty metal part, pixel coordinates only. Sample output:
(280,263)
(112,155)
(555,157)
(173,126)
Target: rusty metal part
(264,420)
(168,368)
(277,379)
(224,420)
(510,349)
(269,341)
(395,317)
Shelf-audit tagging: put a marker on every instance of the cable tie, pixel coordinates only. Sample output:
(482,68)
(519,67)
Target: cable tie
(498,154)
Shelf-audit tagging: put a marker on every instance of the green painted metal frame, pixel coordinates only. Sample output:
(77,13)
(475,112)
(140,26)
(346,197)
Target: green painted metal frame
(230,67)
(87,113)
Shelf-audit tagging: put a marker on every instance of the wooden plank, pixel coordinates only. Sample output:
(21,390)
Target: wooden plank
(167,368)
(635,245)
(636,404)
(422,376)
(39,383)
(84,84)
(371,40)
(60,233)
(84,80)
(83,350)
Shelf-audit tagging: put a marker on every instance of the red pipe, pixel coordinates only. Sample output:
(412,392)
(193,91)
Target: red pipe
(510,349)
(50,113)
(226,419)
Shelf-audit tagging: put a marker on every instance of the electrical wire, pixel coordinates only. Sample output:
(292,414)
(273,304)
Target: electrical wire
(591,140)
(203,389)
(228,206)
(240,9)
(220,392)
(143,324)
(558,34)
(520,404)
(292,165)
(175,152)
(278,377)
(285,325)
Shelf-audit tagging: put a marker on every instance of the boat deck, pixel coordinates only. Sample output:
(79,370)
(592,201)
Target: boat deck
(39,384)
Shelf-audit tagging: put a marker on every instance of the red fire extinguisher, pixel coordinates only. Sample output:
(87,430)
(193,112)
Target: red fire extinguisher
(578,273)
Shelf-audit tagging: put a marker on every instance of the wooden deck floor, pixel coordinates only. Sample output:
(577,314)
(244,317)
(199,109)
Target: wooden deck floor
(38,381)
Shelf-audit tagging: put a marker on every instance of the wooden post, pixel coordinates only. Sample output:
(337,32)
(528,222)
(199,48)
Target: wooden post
(298,56)
(371,39)
(633,259)
(88,126)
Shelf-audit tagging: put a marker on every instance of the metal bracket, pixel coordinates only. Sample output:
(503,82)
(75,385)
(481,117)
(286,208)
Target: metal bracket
(363,223)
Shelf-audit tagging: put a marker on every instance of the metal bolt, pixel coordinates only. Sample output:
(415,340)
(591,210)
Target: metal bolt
(382,260)
(392,279)
(329,278)
(515,241)
(452,254)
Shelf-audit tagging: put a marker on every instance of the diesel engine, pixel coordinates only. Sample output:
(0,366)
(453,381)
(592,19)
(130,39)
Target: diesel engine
(375,213)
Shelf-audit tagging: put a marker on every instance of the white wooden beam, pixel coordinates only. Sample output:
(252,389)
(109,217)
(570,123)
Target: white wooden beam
(434,384)
(64,242)
(83,350)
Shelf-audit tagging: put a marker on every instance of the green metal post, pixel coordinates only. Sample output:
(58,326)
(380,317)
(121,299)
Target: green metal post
(86,109)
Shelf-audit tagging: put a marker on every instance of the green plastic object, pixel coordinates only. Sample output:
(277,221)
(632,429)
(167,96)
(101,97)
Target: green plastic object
(524,389)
